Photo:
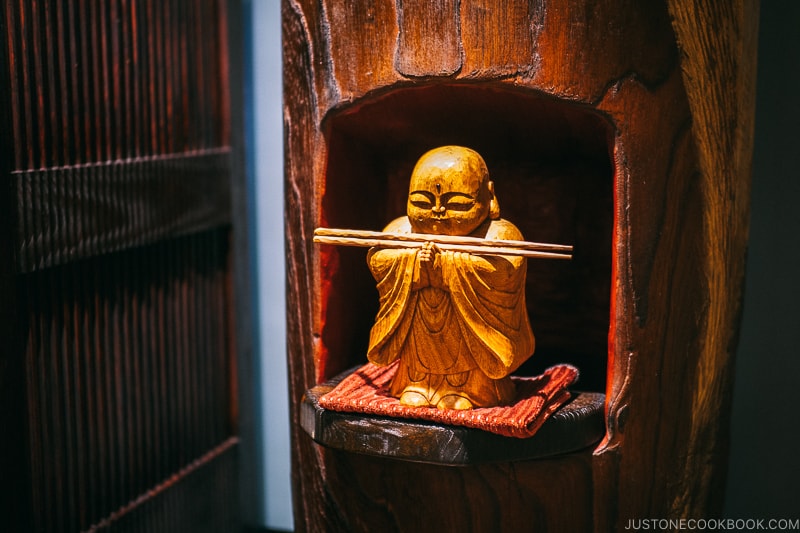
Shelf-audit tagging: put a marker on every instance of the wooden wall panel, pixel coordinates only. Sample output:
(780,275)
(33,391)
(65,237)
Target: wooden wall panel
(117,168)
(118,123)
(74,212)
(127,371)
(200,497)
(103,81)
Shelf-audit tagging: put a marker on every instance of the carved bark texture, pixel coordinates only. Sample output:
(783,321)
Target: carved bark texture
(655,102)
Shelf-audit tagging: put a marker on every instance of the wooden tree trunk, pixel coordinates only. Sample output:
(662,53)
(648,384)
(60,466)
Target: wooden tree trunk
(624,128)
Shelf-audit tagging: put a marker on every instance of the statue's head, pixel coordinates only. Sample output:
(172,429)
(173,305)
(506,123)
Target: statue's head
(450,192)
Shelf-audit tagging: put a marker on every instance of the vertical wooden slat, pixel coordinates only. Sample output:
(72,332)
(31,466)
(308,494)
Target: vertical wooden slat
(136,88)
(68,193)
(82,79)
(141,370)
(138,444)
(177,132)
(172,428)
(91,450)
(199,132)
(167,138)
(40,220)
(26,226)
(67,411)
(123,388)
(201,394)
(54,445)
(162,325)
(93,79)
(39,85)
(34,403)
(116,444)
(14,57)
(209,384)
(108,72)
(83,441)
(47,451)
(195,350)
(185,92)
(60,218)
(102,382)
(125,60)
(49,218)
(180,360)
(220,52)
(69,104)
(51,54)
(185,361)
(160,77)
(110,385)
(28,107)
(152,145)
(153,378)
(119,63)
(227,405)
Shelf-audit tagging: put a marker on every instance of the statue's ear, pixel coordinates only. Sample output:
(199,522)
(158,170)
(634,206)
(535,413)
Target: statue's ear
(494,206)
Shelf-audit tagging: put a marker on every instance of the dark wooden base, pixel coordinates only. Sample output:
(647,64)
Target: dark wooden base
(577,425)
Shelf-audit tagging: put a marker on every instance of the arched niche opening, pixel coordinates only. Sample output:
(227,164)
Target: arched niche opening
(551,165)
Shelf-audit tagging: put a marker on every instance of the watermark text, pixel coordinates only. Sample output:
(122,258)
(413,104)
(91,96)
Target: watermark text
(713,524)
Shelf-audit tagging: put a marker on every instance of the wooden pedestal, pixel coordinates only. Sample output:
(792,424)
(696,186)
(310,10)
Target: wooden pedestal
(575,426)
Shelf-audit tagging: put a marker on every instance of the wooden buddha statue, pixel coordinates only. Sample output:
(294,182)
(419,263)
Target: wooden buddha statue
(457,321)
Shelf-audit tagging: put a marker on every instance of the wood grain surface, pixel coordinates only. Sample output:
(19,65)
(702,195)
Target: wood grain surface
(622,128)
(117,163)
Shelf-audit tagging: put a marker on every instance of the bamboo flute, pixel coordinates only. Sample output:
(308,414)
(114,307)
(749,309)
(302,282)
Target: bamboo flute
(474,245)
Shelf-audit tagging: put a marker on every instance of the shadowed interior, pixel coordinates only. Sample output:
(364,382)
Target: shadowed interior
(553,178)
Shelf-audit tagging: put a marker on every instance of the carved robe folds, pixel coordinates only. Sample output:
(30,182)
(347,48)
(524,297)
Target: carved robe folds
(458,324)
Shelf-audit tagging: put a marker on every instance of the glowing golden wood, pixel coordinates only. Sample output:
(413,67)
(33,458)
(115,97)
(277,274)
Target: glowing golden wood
(451,278)
(473,245)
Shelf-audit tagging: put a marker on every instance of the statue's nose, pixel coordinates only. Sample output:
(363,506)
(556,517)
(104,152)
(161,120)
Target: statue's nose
(438,210)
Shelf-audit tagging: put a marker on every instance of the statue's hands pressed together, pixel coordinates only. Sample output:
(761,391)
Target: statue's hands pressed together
(429,257)
(428,252)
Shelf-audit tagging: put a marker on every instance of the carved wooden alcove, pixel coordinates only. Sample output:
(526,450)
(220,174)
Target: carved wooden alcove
(552,171)
(622,128)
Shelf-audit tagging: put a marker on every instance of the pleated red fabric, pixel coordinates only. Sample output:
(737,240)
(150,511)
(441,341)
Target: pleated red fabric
(366,391)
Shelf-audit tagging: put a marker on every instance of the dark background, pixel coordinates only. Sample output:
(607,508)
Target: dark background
(764,472)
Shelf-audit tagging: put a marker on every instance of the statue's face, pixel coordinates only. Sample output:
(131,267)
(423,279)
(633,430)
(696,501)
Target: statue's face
(449,192)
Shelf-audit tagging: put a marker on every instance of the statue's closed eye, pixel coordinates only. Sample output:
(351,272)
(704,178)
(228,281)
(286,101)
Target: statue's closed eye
(459,205)
(458,201)
(421,201)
